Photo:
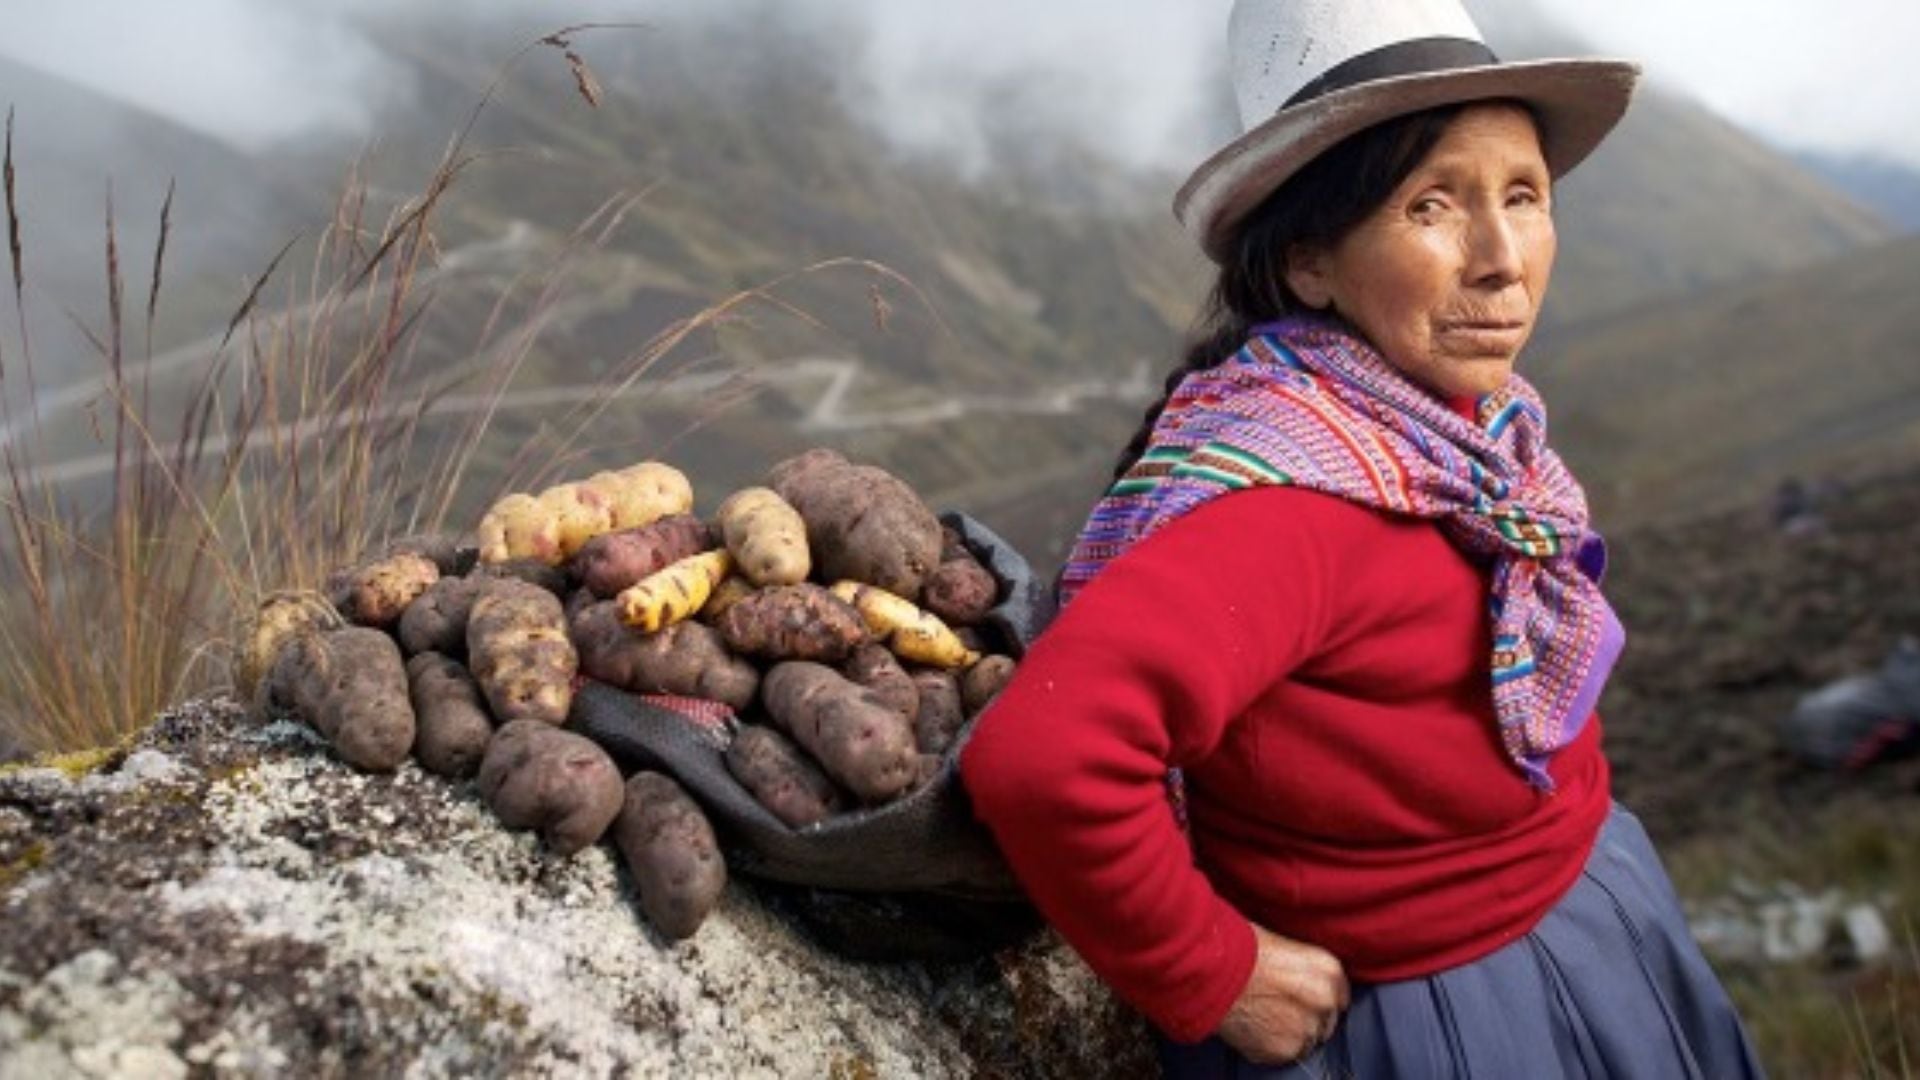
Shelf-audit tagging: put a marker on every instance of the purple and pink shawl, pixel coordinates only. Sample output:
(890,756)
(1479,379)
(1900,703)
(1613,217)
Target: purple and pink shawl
(1307,403)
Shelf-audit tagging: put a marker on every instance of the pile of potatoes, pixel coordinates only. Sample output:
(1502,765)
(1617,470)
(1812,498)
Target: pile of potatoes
(829,609)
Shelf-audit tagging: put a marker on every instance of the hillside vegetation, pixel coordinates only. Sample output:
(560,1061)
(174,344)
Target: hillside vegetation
(1709,400)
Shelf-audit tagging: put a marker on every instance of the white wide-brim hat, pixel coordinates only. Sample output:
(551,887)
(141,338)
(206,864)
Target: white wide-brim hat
(1309,73)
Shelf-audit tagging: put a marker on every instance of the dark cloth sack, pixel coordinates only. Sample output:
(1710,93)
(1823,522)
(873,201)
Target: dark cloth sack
(915,879)
(1858,720)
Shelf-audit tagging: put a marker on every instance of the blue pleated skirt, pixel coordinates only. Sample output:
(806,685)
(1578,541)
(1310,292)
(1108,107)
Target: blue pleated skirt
(1609,984)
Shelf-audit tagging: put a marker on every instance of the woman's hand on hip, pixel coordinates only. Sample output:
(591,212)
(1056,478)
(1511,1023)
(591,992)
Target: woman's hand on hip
(1291,1004)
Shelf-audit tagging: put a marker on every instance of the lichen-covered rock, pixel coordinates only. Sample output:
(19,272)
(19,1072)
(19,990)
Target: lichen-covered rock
(226,898)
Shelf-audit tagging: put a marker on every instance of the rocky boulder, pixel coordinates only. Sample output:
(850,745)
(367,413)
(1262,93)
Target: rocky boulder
(221,898)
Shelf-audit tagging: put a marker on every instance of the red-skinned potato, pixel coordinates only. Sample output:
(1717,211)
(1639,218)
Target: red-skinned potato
(616,561)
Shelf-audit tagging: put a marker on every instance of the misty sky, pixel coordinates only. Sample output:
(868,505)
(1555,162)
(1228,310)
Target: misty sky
(1835,76)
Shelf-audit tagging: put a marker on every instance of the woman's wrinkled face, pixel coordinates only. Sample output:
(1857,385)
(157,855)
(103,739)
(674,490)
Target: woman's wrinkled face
(1446,277)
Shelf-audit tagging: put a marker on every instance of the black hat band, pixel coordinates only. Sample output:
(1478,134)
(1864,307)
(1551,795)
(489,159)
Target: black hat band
(1417,57)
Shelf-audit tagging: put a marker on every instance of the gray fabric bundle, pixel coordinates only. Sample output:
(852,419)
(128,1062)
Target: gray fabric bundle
(1849,723)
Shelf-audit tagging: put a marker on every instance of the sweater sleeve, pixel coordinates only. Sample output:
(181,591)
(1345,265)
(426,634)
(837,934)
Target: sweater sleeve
(1144,670)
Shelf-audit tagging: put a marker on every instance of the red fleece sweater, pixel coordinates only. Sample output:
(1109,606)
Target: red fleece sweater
(1319,670)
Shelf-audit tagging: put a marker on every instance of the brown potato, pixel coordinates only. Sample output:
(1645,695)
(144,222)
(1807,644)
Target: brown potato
(782,777)
(687,658)
(351,685)
(670,849)
(961,591)
(874,666)
(452,726)
(437,620)
(280,618)
(939,717)
(535,776)
(857,739)
(863,523)
(983,681)
(793,622)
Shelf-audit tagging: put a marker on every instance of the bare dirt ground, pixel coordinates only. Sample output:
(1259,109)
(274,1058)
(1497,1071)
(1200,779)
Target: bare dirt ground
(1729,621)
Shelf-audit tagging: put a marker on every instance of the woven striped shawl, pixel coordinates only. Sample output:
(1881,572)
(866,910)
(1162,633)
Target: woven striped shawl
(1307,403)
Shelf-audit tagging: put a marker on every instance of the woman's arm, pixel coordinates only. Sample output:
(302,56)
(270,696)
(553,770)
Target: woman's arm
(1145,669)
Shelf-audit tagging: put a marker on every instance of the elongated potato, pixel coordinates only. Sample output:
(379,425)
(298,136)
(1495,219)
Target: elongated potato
(580,513)
(857,739)
(911,633)
(670,849)
(535,776)
(940,716)
(644,493)
(766,537)
(874,666)
(616,561)
(452,726)
(664,598)
(687,658)
(781,777)
(351,685)
(519,652)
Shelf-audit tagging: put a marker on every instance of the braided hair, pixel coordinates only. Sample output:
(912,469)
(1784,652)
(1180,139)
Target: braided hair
(1315,208)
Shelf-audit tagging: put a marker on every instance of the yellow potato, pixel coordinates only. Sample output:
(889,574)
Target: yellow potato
(912,634)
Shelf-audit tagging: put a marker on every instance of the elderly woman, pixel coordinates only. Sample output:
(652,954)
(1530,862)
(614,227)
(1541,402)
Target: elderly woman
(1344,589)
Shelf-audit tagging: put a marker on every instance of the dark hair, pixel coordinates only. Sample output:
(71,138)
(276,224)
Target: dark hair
(1316,207)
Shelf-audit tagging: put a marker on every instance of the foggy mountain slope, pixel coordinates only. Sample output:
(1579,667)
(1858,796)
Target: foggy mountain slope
(231,210)
(1709,400)
(1890,188)
(1677,198)
(1057,277)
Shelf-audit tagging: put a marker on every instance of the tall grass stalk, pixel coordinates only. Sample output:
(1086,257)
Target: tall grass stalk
(298,447)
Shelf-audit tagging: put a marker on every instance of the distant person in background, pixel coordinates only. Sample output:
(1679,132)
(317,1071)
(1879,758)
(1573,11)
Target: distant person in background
(1794,509)
(1343,586)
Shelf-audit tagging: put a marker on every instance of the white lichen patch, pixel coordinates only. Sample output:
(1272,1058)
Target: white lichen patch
(141,768)
(91,1018)
(543,952)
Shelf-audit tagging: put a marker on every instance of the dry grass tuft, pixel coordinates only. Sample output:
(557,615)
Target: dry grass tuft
(298,447)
